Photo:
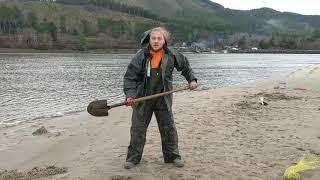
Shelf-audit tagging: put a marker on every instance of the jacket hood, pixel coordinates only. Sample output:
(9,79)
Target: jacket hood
(146,37)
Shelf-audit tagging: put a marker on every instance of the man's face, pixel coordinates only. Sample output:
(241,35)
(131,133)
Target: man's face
(156,40)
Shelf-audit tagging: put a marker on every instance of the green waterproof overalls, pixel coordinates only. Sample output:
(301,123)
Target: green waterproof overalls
(166,125)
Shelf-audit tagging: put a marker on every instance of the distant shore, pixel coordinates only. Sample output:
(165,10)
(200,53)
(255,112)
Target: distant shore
(277,51)
(132,51)
(98,51)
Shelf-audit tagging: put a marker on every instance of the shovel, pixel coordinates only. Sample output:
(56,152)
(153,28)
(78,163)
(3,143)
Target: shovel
(101,107)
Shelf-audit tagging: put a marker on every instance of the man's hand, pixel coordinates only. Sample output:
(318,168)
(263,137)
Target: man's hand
(130,101)
(193,85)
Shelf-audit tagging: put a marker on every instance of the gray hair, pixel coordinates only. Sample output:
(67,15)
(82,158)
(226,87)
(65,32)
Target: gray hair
(165,33)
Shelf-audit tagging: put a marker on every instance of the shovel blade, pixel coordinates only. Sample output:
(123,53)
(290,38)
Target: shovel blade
(98,108)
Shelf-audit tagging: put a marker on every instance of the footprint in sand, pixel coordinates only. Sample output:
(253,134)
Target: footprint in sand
(313,70)
(118,122)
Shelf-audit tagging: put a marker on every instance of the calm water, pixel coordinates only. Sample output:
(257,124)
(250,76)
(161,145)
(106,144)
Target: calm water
(40,86)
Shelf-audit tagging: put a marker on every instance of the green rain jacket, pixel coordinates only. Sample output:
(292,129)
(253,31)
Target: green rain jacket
(135,78)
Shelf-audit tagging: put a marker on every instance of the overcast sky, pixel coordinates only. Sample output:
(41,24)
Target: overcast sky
(307,7)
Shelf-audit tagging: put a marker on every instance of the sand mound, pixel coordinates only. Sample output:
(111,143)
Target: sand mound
(31,174)
(276,96)
(40,131)
(248,105)
(252,101)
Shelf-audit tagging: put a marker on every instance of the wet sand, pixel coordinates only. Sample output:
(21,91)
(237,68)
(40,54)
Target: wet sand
(223,134)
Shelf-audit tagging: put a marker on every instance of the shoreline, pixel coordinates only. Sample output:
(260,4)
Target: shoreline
(97,51)
(223,133)
(276,51)
(132,51)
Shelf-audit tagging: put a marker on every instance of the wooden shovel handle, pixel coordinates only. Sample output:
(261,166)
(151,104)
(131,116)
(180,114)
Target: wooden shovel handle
(139,100)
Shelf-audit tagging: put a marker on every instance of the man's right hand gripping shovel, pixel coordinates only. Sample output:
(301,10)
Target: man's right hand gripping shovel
(193,85)
(130,101)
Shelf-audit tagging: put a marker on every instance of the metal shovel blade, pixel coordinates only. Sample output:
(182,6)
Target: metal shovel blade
(101,108)
(98,108)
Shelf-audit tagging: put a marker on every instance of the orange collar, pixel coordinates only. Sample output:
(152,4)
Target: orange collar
(156,58)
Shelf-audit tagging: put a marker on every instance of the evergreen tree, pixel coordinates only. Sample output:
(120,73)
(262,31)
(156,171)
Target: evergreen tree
(48,27)
(263,45)
(10,19)
(63,28)
(102,24)
(243,43)
(53,31)
(85,27)
(118,28)
(82,43)
(32,20)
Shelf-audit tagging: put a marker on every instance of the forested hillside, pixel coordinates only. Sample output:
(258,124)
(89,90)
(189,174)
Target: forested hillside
(49,25)
(104,24)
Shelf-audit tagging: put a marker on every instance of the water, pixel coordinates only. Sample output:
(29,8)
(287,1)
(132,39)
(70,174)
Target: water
(40,86)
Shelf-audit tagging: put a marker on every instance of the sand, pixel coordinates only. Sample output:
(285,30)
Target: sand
(223,134)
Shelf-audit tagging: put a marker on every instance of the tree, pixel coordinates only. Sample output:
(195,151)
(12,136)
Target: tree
(272,42)
(10,19)
(75,32)
(316,34)
(63,28)
(53,31)
(48,27)
(85,27)
(32,20)
(102,24)
(118,28)
(43,26)
(288,43)
(243,43)
(263,45)
(82,43)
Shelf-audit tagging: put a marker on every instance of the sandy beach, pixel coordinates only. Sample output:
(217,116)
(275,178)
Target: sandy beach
(223,134)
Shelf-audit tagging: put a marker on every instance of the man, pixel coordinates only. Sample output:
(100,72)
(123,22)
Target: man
(150,72)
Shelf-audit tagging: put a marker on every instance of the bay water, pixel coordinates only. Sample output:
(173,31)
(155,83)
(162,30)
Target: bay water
(47,85)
